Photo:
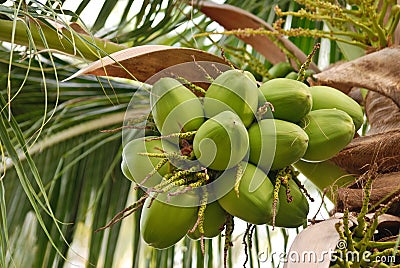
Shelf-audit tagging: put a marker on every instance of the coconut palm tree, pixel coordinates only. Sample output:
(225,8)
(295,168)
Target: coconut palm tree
(61,141)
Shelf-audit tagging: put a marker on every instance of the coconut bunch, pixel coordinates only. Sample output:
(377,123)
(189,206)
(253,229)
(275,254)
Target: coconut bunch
(209,156)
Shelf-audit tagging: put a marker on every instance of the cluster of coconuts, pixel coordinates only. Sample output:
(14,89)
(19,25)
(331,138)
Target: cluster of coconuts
(244,136)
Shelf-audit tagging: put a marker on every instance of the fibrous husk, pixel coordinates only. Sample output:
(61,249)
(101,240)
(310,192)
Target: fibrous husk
(382,149)
(388,227)
(383,114)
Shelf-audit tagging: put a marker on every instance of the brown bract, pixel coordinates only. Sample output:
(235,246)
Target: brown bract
(383,114)
(233,18)
(142,62)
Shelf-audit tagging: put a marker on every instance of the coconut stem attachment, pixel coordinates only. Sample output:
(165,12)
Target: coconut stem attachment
(264,109)
(247,241)
(338,227)
(301,186)
(202,208)
(207,75)
(194,88)
(177,178)
(173,156)
(347,232)
(284,175)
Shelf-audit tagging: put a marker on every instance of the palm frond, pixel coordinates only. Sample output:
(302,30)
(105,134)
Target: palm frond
(62,157)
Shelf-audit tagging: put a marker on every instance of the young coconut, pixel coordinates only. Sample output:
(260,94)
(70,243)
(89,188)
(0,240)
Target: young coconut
(325,97)
(233,90)
(291,99)
(329,131)
(125,170)
(252,206)
(175,107)
(280,69)
(287,140)
(221,142)
(162,224)
(141,168)
(214,219)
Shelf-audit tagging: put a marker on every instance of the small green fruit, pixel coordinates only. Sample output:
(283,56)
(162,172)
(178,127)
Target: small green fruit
(162,224)
(214,219)
(221,142)
(252,206)
(291,99)
(175,107)
(136,167)
(325,97)
(275,144)
(329,131)
(292,75)
(280,69)
(293,214)
(233,90)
